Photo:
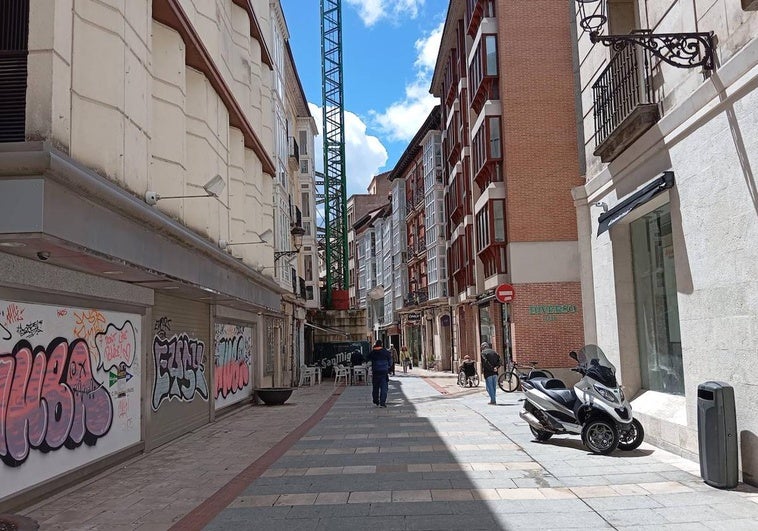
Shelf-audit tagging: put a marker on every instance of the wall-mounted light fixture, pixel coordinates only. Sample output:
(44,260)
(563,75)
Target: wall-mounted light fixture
(262,238)
(212,189)
(297,241)
(682,50)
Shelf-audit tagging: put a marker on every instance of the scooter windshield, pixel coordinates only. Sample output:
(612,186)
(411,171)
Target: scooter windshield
(597,366)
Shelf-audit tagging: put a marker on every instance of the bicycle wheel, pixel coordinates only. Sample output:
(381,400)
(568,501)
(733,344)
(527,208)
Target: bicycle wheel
(508,381)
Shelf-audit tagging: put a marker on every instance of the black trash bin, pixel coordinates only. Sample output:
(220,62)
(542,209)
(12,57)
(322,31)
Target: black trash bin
(717,434)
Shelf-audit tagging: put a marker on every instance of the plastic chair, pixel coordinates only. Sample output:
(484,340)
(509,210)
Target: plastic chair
(341,373)
(306,374)
(360,374)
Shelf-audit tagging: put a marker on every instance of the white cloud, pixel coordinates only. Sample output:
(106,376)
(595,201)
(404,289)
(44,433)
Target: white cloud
(364,154)
(372,11)
(401,120)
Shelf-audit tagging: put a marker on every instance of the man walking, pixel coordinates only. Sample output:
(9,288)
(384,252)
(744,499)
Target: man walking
(490,363)
(381,360)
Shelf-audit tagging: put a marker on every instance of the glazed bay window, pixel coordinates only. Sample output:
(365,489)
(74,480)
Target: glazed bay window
(660,346)
(490,237)
(487,153)
(476,10)
(483,73)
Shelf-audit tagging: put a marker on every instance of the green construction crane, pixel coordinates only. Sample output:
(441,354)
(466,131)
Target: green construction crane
(335,188)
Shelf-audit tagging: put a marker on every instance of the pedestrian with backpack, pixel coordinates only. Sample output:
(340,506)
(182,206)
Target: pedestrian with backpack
(490,364)
(381,361)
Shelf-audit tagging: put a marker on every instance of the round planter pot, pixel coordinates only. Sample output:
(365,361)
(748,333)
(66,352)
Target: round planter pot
(274,396)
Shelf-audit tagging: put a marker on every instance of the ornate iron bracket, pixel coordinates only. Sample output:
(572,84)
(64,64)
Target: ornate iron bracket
(682,50)
(282,254)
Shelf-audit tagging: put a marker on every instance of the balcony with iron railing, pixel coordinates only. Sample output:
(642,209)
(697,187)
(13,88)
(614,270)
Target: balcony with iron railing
(421,247)
(624,102)
(416,297)
(294,150)
(418,197)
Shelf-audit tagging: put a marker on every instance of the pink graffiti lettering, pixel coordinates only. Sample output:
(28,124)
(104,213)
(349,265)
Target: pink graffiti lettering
(232,366)
(179,369)
(62,313)
(123,408)
(49,398)
(14,314)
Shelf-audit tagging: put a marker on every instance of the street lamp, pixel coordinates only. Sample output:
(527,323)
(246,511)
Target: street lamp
(297,241)
(212,189)
(224,244)
(682,50)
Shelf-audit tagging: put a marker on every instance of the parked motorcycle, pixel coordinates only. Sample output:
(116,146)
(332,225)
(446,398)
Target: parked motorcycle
(595,408)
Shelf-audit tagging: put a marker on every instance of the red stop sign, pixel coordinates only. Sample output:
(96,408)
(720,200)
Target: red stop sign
(505,293)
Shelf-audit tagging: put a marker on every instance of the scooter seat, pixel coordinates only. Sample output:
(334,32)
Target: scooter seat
(555,389)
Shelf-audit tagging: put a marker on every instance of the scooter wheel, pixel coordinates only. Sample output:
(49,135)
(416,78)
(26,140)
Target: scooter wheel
(631,438)
(600,436)
(540,435)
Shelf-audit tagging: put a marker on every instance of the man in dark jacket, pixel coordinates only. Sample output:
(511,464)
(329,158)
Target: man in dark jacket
(490,363)
(381,361)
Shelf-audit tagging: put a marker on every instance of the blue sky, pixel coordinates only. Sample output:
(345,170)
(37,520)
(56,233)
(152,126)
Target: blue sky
(389,49)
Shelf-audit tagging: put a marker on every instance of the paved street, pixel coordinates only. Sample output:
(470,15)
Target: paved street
(434,459)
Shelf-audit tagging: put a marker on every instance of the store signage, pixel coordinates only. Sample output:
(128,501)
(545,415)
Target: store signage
(550,312)
(551,309)
(414,316)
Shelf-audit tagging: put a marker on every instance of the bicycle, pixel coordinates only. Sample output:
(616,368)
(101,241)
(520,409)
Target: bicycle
(510,379)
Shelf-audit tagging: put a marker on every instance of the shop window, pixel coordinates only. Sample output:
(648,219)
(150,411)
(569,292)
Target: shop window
(486,325)
(660,346)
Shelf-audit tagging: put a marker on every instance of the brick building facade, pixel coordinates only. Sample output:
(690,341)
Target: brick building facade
(510,161)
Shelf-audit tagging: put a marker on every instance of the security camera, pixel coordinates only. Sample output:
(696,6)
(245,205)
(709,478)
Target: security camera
(603,205)
(43,255)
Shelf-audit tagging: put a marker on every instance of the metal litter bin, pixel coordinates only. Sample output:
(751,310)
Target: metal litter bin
(717,434)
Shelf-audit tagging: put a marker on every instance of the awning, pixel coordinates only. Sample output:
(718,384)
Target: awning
(606,220)
(328,329)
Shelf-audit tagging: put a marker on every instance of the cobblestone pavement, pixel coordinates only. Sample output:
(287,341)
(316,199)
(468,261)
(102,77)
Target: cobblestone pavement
(435,458)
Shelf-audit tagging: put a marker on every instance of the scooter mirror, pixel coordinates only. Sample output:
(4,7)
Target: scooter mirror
(573,355)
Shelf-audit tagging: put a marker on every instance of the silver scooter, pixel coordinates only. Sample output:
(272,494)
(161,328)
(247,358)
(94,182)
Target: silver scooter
(595,408)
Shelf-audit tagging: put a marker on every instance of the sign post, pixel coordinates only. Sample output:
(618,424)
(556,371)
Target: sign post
(505,293)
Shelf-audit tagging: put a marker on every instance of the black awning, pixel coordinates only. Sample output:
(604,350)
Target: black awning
(606,220)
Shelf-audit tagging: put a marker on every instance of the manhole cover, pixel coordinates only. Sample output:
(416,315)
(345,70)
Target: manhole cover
(12,522)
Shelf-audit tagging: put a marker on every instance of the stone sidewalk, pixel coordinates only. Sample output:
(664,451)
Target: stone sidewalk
(436,458)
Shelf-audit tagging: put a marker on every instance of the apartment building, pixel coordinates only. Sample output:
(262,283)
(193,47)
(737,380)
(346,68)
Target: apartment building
(425,315)
(505,81)
(668,229)
(294,237)
(358,205)
(138,143)
(369,252)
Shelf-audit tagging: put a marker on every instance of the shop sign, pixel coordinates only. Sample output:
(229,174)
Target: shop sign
(549,312)
(414,317)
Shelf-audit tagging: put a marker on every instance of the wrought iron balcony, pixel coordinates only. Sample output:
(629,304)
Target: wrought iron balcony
(624,102)
(416,297)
